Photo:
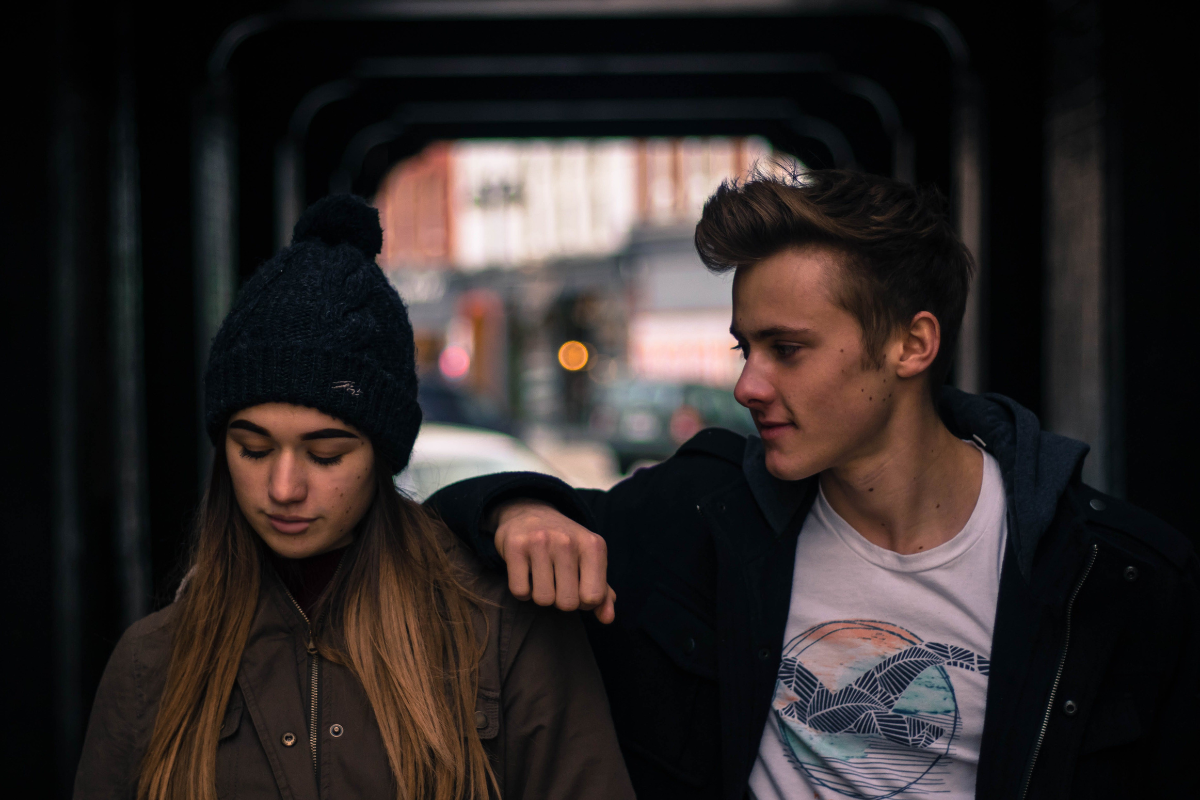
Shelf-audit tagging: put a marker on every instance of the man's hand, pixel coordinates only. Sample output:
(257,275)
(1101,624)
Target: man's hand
(568,563)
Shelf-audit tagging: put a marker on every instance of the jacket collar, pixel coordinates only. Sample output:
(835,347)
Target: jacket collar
(1037,467)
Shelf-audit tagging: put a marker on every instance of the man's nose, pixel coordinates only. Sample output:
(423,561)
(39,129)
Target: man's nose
(287,482)
(753,389)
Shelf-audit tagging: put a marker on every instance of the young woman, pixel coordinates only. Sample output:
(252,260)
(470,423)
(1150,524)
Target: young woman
(331,639)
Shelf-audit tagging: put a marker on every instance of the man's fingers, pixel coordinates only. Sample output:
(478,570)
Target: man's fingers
(564,553)
(593,573)
(543,576)
(552,559)
(518,576)
(606,612)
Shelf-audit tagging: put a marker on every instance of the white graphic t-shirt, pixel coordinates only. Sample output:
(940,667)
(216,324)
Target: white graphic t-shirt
(883,682)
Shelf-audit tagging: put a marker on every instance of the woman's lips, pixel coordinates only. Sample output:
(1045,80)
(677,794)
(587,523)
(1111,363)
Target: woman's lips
(774,430)
(289,525)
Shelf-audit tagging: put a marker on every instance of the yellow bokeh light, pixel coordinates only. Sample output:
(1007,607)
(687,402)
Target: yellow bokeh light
(573,356)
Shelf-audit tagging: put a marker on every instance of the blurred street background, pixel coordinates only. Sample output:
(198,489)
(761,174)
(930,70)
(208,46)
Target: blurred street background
(539,166)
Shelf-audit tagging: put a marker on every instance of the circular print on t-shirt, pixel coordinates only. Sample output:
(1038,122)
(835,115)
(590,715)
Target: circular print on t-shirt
(867,708)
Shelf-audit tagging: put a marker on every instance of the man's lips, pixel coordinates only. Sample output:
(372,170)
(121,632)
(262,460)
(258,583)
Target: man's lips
(773,430)
(290,524)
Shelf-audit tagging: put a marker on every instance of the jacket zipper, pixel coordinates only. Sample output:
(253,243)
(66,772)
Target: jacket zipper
(1062,662)
(314,677)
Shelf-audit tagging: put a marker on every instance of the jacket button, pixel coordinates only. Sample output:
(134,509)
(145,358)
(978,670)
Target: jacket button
(1069,708)
(764,654)
(336,730)
(689,645)
(1131,573)
(288,739)
(480,720)
(1097,504)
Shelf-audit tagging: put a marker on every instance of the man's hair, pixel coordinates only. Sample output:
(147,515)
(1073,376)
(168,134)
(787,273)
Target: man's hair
(898,253)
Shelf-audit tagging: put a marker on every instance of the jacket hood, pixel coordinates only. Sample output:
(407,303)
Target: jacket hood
(1037,466)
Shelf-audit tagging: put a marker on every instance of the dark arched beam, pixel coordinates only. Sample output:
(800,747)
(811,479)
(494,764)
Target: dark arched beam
(748,109)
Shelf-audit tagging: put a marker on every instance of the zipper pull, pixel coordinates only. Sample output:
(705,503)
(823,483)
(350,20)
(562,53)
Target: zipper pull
(312,647)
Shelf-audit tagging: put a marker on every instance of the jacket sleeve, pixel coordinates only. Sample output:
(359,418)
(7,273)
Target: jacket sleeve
(559,741)
(113,745)
(464,506)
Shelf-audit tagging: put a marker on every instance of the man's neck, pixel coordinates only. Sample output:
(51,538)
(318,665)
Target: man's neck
(914,490)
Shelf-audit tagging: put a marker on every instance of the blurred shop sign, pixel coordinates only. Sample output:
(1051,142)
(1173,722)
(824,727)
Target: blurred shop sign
(686,346)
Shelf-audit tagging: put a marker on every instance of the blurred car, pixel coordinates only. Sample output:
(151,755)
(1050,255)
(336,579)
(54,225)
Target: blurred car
(647,420)
(445,454)
(441,402)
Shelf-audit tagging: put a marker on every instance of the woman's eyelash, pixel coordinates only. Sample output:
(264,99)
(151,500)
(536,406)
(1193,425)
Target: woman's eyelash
(325,462)
(254,454)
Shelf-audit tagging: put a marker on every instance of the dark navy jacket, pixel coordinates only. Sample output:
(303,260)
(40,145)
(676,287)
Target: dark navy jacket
(1095,664)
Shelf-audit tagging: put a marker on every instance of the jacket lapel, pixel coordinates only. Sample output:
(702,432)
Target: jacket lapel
(754,585)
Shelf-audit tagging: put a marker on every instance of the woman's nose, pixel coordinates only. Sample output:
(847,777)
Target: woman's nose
(287,482)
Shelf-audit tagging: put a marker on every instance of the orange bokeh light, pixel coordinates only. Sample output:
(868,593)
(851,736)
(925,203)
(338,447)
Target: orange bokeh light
(573,356)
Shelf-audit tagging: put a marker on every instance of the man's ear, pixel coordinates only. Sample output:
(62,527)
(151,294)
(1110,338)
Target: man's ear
(918,345)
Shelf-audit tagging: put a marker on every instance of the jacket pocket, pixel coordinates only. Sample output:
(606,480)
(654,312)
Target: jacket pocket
(1113,722)
(661,681)
(688,641)
(229,747)
(233,715)
(487,714)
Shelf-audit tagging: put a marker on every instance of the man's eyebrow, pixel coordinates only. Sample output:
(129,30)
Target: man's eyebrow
(328,433)
(767,333)
(246,425)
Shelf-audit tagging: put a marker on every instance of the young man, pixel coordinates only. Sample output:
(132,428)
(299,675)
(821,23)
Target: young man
(899,590)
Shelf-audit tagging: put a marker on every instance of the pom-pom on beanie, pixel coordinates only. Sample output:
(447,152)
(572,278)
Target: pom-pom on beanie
(320,326)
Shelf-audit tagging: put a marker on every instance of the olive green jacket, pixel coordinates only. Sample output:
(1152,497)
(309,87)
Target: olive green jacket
(300,727)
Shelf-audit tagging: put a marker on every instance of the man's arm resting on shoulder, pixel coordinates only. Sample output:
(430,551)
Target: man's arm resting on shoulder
(539,527)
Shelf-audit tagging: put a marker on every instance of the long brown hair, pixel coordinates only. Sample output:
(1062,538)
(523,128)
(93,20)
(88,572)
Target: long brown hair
(395,614)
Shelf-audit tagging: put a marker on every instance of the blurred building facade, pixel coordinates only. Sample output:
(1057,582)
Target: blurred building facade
(506,249)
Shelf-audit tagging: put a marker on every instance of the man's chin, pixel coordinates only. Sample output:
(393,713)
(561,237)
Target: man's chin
(786,468)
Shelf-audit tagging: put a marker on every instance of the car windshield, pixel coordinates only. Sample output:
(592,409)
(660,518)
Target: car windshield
(445,454)
(645,393)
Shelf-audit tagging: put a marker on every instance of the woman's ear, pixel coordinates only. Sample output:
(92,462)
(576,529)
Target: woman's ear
(919,345)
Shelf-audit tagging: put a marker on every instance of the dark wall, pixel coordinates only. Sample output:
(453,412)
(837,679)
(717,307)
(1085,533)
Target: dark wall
(1154,152)
(25,488)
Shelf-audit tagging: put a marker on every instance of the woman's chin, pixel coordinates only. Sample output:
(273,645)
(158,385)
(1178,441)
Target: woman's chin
(296,546)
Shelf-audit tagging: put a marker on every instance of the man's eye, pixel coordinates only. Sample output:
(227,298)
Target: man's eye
(741,348)
(785,350)
(254,454)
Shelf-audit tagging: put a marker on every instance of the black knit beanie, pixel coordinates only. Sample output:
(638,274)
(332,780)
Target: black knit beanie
(320,326)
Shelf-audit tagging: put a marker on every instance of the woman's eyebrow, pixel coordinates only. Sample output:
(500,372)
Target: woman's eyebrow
(246,425)
(328,433)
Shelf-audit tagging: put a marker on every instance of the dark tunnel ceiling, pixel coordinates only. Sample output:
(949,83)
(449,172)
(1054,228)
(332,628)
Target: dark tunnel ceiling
(826,89)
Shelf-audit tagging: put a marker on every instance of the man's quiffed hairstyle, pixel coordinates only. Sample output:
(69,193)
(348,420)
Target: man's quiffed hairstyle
(900,256)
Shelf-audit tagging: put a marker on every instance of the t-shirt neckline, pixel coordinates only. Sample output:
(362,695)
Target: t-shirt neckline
(991,494)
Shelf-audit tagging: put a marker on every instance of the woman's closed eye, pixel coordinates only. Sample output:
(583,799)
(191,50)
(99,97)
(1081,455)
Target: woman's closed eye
(254,455)
(325,461)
